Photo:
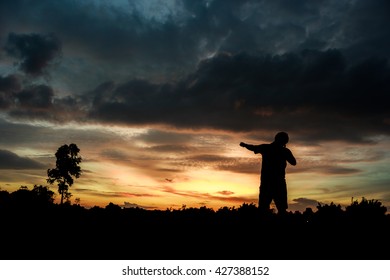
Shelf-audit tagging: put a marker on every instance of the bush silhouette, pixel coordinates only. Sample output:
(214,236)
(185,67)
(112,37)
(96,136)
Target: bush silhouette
(116,232)
(366,208)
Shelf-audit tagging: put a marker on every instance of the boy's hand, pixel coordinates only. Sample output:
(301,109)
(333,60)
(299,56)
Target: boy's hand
(242,144)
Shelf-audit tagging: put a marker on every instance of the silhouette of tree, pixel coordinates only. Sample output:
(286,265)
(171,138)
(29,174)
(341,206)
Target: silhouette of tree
(67,167)
(39,197)
(5,199)
(329,212)
(366,210)
(308,214)
(22,198)
(43,195)
(113,207)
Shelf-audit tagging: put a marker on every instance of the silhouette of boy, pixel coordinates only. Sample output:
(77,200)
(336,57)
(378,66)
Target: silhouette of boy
(273,185)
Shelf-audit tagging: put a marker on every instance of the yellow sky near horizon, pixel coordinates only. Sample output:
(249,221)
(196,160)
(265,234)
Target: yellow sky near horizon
(160,169)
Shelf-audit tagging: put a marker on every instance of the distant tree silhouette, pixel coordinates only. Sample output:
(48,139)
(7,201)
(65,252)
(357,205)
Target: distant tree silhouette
(43,195)
(5,199)
(113,207)
(23,198)
(67,167)
(329,212)
(366,210)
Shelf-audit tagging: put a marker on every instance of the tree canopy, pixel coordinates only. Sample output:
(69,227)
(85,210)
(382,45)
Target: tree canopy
(67,167)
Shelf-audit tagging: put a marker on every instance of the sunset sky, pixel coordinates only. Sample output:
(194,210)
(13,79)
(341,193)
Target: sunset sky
(159,94)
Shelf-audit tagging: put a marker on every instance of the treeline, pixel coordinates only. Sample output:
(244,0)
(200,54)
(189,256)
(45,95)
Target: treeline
(34,227)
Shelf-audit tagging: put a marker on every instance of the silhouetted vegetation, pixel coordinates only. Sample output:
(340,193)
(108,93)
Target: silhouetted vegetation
(67,167)
(34,227)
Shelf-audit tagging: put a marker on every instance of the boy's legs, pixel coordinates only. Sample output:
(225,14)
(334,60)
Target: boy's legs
(280,196)
(265,197)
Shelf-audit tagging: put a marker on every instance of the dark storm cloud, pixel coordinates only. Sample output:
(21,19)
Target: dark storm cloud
(9,85)
(366,28)
(310,67)
(9,160)
(112,34)
(175,37)
(36,97)
(35,51)
(310,90)
(38,102)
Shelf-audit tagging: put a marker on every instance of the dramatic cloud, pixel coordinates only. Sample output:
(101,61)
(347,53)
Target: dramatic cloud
(246,92)
(135,36)
(37,102)
(8,87)
(241,66)
(10,160)
(240,93)
(35,51)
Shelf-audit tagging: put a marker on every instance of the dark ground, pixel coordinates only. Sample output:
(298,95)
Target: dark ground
(73,232)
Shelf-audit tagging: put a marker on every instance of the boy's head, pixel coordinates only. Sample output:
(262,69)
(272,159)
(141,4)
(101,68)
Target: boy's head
(281,138)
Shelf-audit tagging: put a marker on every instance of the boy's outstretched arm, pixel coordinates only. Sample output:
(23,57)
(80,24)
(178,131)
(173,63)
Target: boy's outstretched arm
(248,146)
(242,144)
